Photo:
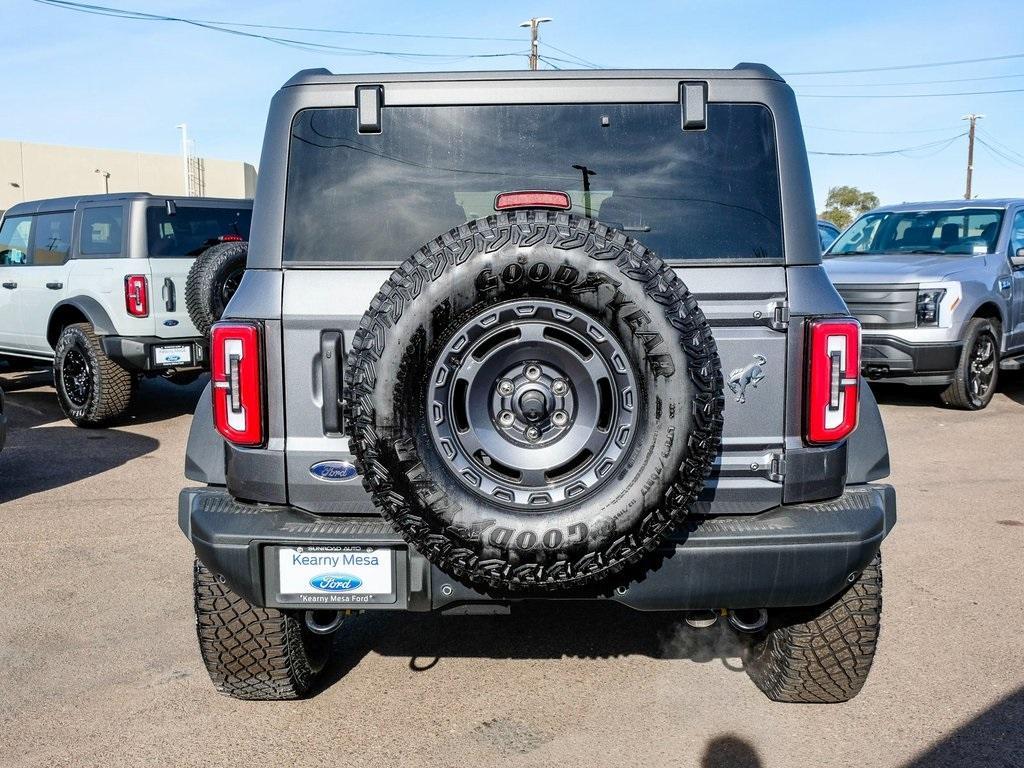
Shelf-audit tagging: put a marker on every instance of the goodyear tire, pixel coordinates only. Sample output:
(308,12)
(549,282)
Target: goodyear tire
(254,653)
(822,654)
(536,402)
(92,389)
(212,281)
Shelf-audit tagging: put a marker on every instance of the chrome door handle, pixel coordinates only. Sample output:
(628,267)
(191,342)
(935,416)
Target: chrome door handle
(10,286)
(55,286)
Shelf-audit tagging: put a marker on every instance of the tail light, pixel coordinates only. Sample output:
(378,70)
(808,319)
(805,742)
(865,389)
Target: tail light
(507,201)
(833,382)
(136,295)
(236,370)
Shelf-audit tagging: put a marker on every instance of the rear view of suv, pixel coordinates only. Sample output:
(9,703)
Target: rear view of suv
(537,336)
(97,286)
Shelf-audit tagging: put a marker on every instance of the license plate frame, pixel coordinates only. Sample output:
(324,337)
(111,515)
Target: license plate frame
(290,583)
(170,355)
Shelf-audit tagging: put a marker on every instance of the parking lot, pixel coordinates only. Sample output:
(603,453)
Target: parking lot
(99,665)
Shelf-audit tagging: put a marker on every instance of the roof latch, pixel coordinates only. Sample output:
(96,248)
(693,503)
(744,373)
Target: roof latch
(369,100)
(693,105)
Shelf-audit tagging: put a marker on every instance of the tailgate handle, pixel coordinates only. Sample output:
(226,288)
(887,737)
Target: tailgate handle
(167,293)
(10,286)
(331,360)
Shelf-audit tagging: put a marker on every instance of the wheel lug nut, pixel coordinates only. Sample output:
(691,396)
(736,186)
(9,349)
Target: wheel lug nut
(506,387)
(533,433)
(559,387)
(559,418)
(532,372)
(505,418)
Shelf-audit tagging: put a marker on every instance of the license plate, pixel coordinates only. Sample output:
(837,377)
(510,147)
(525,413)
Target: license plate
(334,575)
(178,355)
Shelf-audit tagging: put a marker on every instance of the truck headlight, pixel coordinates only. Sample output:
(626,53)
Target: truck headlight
(928,307)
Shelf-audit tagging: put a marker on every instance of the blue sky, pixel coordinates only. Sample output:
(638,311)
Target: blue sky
(88,80)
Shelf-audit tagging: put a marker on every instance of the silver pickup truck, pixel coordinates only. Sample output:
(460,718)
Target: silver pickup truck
(939,291)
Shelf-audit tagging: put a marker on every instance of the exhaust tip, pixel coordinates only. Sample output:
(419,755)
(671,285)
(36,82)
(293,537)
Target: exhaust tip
(701,619)
(323,622)
(749,619)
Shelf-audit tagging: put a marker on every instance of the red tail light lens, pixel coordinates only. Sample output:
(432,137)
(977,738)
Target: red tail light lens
(231,238)
(833,382)
(538,199)
(236,370)
(136,295)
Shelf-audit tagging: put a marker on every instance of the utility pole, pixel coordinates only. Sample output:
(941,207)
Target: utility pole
(533,24)
(970,151)
(587,173)
(184,158)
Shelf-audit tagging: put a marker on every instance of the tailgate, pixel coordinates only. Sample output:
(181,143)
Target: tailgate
(167,292)
(743,305)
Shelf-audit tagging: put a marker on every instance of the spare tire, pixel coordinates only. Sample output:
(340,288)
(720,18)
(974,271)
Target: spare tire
(212,281)
(536,401)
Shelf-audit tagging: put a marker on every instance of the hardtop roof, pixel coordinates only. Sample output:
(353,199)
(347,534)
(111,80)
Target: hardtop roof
(69,202)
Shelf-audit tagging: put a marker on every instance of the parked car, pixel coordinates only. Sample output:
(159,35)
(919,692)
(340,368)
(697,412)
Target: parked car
(532,404)
(827,233)
(939,290)
(95,284)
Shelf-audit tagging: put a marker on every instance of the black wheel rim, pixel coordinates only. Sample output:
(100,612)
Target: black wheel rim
(981,368)
(532,403)
(230,284)
(76,376)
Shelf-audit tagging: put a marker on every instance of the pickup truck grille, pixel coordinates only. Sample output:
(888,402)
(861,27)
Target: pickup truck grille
(881,306)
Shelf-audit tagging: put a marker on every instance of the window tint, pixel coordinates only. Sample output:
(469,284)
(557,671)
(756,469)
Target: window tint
(711,194)
(192,228)
(102,231)
(14,236)
(960,231)
(52,242)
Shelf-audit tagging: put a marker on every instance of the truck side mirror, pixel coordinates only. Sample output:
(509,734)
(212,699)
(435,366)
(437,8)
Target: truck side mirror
(1017,259)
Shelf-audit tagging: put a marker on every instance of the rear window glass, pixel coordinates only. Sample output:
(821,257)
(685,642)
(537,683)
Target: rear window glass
(376,198)
(102,231)
(191,229)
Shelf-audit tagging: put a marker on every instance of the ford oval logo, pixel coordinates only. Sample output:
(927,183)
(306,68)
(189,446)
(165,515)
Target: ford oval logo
(333,471)
(335,582)
(170,323)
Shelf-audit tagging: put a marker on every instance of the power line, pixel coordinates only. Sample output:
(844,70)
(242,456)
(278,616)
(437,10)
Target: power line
(309,45)
(906,82)
(902,95)
(998,153)
(1000,144)
(938,146)
(907,66)
(584,62)
(881,133)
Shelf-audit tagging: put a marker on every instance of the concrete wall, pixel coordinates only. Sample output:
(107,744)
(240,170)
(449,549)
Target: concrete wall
(45,170)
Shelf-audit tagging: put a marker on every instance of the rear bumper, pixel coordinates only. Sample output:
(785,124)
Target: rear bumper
(793,555)
(139,353)
(891,358)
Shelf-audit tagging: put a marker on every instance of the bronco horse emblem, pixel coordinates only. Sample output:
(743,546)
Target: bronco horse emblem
(741,377)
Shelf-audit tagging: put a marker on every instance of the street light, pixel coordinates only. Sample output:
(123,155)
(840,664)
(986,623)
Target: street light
(533,23)
(106,179)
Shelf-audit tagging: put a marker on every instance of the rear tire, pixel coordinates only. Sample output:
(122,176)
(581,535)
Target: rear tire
(258,654)
(92,389)
(822,655)
(212,282)
(977,373)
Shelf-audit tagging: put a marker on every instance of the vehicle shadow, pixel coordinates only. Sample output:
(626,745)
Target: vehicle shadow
(1011,385)
(44,451)
(537,630)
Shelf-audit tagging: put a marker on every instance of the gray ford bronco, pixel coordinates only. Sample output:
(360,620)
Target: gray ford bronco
(537,336)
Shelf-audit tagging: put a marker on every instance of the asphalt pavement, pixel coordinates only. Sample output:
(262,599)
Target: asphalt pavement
(99,663)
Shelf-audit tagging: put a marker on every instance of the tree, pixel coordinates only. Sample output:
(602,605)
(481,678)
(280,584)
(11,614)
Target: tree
(844,203)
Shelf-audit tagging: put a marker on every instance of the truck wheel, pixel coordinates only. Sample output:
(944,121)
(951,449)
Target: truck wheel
(92,389)
(821,655)
(536,402)
(977,374)
(260,654)
(212,281)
